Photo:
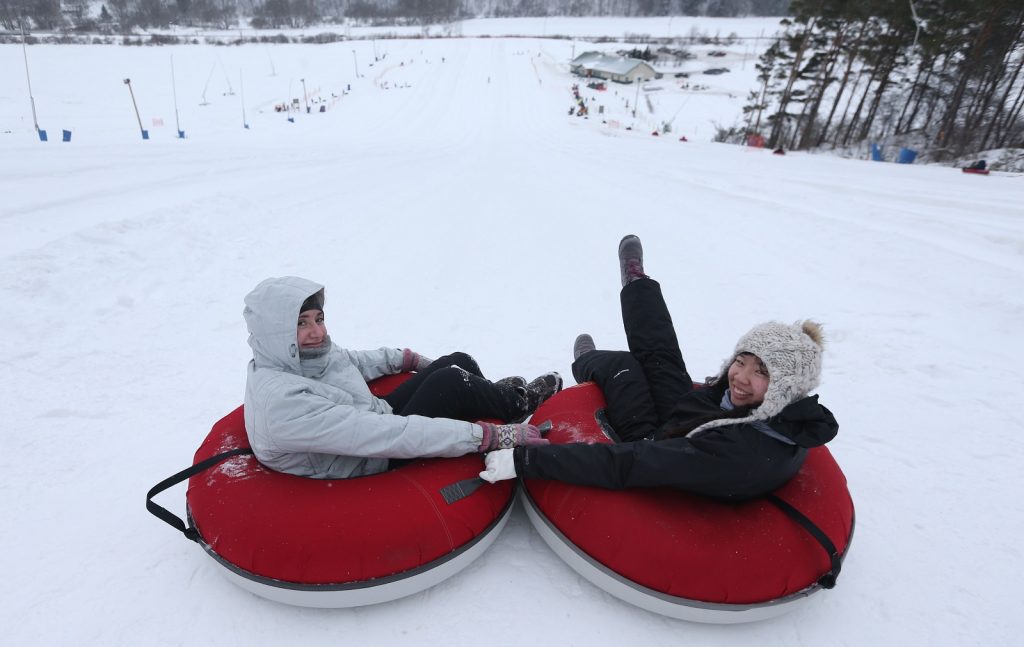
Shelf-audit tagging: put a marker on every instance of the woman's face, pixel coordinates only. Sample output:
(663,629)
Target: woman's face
(748,380)
(311,331)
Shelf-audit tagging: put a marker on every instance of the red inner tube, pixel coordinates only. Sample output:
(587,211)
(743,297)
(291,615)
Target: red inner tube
(334,532)
(686,545)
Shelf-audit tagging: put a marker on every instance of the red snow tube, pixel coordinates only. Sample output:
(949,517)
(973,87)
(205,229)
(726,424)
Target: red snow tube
(975,171)
(339,543)
(685,555)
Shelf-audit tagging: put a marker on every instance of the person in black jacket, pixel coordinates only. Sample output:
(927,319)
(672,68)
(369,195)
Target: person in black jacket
(741,435)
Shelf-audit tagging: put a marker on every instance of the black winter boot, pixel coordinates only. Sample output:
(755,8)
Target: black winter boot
(543,388)
(513,381)
(583,344)
(631,259)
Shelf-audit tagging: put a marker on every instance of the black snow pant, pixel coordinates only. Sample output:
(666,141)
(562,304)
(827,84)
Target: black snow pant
(453,387)
(641,386)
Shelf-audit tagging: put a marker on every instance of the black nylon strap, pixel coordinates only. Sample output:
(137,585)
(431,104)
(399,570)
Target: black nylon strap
(828,580)
(166,515)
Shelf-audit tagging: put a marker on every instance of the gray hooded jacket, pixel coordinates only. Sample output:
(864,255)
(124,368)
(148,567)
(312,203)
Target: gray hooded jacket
(317,417)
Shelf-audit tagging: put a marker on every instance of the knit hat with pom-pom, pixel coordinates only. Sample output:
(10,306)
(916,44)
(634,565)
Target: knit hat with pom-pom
(792,355)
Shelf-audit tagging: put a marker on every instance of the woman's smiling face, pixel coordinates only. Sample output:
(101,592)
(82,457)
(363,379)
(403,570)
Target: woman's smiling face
(311,330)
(748,380)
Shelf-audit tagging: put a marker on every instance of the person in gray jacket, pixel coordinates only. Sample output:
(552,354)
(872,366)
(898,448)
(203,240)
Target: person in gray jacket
(309,411)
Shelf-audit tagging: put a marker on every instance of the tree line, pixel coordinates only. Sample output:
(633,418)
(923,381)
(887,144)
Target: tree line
(123,15)
(942,75)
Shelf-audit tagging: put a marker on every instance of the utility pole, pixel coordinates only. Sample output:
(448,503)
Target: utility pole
(637,98)
(145,133)
(32,99)
(174,91)
(241,89)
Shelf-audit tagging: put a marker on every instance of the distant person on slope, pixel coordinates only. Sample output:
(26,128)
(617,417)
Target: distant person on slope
(309,411)
(742,435)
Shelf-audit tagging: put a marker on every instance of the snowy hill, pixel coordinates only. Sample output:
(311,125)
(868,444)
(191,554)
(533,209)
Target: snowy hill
(448,201)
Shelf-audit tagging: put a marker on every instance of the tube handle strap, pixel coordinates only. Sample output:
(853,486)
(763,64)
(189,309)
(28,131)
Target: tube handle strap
(828,580)
(461,489)
(163,513)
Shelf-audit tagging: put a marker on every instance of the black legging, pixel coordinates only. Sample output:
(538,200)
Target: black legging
(453,387)
(641,386)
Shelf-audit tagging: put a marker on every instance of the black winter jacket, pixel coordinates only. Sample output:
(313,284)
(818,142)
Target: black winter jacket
(733,462)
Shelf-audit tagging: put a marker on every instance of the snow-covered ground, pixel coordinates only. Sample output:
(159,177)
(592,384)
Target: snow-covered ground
(462,208)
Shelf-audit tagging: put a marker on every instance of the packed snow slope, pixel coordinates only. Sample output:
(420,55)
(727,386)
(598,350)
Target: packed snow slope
(448,201)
